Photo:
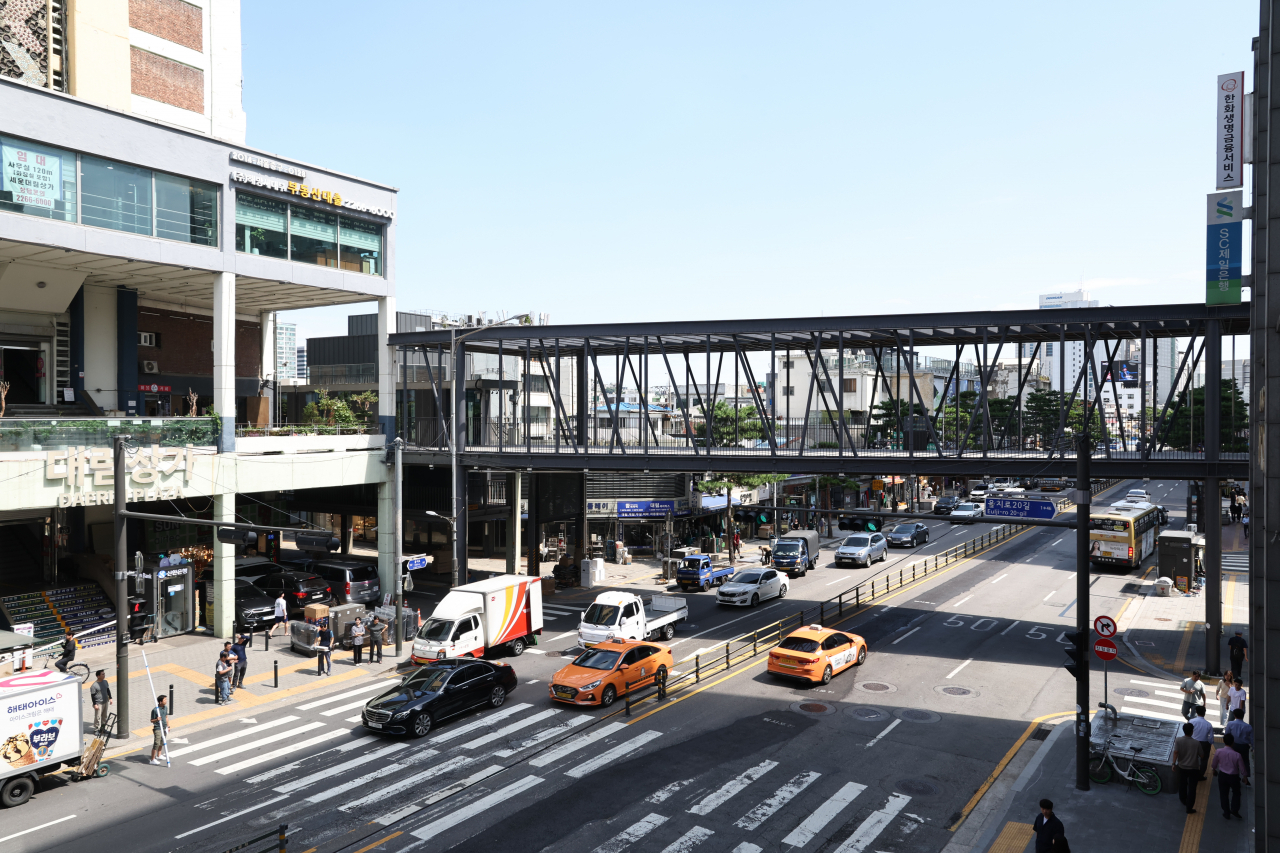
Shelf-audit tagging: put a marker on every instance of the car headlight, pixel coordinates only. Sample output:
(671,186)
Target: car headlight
(592,686)
(401,715)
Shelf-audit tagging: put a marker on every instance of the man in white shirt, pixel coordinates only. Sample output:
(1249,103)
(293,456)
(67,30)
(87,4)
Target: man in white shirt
(282,617)
(1236,696)
(1202,731)
(1193,690)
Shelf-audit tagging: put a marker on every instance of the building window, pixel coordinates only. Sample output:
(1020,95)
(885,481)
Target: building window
(37,180)
(148,339)
(850,385)
(262,226)
(186,210)
(115,195)
(360,246)
(537,383)
(313,236)
(788,391)
(539,414)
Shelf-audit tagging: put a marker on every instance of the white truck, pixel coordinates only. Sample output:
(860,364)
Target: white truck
(477,618)
(628,616)
(40,730)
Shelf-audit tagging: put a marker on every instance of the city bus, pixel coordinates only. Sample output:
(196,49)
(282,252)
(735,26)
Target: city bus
(1123,535)
(1055,484)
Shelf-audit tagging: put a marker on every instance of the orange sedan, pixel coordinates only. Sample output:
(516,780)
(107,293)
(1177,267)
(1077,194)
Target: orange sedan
(601,674)
(816,653)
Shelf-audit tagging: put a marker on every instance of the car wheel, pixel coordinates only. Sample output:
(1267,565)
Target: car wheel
(826,675)
(705,586)
(755,600)
(17,791)
(684,588)
(607,697)
(421,724)
(497,696)
(517,646)
(782,591)
(668,631)
(862,655)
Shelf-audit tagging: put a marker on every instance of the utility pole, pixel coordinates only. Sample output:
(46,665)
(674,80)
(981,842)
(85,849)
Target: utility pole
(122,592)
(1083,500)
(399,529)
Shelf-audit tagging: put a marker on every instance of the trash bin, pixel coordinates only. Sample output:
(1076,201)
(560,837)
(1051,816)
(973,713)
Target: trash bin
(1164,586)
(303,637)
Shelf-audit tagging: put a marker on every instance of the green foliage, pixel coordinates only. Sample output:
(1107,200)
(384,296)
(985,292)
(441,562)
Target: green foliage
(724,418)
(336,411)
(1187,432)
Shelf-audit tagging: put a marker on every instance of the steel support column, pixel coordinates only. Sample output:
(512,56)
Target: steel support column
(1211,500)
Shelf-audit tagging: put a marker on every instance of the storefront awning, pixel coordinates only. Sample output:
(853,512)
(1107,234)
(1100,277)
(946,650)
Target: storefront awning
(717,501)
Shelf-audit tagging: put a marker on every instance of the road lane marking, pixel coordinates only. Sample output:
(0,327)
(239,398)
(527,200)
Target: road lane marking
(384,794)
(635,832)
(689,840)
(467,812)
(480,723)
(513,727)
(330,772)
(837,580)
(1058,542)
(222,820)
(546,734)
(436,796)
(782,796)
(662,794)
(1068,607)
(823,815)
(904,636)
(293,747)
(607,757)
(1007,630)
(342,709)
(724,624)
(887,729)
(1052,593)
(871,828)
(747,847)
(960,667)
(962,601)
(38,828)
(245,747)
(732,787)
(355,743)
(378,843)
(238,735)
(326,700)
(1002,577)
(575,745)
(563,636)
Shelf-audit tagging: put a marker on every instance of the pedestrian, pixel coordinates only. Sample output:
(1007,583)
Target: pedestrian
(100,695)
(1202,731)
(377,636)
(1228,766)
(1223,694)
(324,650)
(233,660)
(1193,688)
(160,728)
(1245,522)
(1238,649)
(222,677)
(282,616)
(68,652)
(1238,697)
(357,640)
(1186,760)
(239,649)
(1047,827)
(1243,734)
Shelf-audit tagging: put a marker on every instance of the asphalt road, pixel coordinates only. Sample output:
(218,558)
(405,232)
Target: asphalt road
(884,758)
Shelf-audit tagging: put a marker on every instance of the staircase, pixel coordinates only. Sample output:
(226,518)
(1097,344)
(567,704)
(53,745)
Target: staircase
(53,611)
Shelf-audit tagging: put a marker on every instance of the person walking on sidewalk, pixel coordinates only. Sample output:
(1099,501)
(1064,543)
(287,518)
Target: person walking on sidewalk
(160,728)
(242,661)
(100,695)
(1243,734)
(1238,649)
(324,651)
(357,641)
(1238,697)
(282,616)
(1228,766)
(231,659)
(1223,694)
(1186,760)
(1202,731)
(222,678)
(1244,522)
(1047,827)
(377,636)
(1193,688)
(68,652)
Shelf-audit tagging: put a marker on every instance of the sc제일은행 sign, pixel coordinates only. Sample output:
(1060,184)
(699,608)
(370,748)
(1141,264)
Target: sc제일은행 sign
(1224,248)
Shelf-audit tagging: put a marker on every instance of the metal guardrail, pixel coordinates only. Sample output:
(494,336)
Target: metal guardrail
(725,656)
(282,430)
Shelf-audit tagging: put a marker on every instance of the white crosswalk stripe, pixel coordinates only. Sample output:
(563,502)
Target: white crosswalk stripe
(341,788)
(689,840)
(469,811)
(331,772)
(508,729)
(611,755)
(485,720)
(285,750)
(1236,561)
(576,744)
(283,769)
(747,847)
(631,834)
(780,798)
(1210,713)
(408,782)
(254,744)
(733,786)
(342,709)
(875,823)
(364,688)
(545,734)
(823,815)
(662,794)
(239,734)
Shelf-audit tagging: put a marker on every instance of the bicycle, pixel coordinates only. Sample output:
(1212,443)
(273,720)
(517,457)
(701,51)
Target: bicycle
(80,670)
(1102,765)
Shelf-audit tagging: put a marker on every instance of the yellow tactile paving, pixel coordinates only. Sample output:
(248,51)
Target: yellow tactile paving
(1013,838)
(1195,822)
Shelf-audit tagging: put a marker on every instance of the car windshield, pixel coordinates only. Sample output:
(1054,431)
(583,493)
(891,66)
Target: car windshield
(799,644)
(597,659)
(745,577)
(966,507)
(601,614)
(364,573)
(904,528)
(788,546)
(947,501)
(857,541)
(692,562)
(312,584)
(428,680)
(436,630)
(246,590)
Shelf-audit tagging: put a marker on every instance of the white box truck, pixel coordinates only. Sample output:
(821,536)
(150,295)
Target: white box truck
(40,730)
(476,618)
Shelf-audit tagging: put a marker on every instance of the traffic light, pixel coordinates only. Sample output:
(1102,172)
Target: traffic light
(139,618)
(1076,652)
(237,536)
(321,542)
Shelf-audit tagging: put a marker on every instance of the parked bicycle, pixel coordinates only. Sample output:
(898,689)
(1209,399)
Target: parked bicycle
(1103,765)
(80,670)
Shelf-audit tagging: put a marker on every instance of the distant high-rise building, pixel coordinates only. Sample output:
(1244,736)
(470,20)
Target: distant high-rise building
(1071,359)
(286,351)
(301,364)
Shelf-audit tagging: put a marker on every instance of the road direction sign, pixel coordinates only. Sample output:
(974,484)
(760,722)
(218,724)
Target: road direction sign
(415,563)
(1020,508)
(1105,626)
(1105,649)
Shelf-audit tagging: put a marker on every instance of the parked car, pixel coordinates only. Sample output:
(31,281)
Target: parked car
(352,581)
(300,589)
(966,513)
(253,568)
(862,549)
(749,588)
(601,674)
(908,535)
(815,654)
(436,692)
(945,504)
(254,609)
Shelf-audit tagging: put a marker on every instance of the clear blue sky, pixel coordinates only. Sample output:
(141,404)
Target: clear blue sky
(609,162)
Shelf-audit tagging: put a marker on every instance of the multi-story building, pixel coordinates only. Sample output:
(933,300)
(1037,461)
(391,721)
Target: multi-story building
(301,365)
(1066,360)
(144,253)
(286,351)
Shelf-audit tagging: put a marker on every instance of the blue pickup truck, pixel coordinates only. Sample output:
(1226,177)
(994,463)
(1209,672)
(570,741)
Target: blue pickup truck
(697,571)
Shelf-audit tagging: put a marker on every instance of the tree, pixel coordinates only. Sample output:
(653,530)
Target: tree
(731,425)
(726,483)
(1040,415)
(1186,432)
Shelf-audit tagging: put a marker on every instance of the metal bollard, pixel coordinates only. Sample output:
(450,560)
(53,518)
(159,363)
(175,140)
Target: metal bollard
(275,664)
(249,645)
(697,668)
(726,657)
(284,837)
(755,643)
(840,601)
(627,684)
(267,639)
(170,698)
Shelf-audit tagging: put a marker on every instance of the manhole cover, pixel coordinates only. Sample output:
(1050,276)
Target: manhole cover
(867,714)
(813,709)
(1132,691)
(917,787)
(875,687)
(916,715)
(955,691)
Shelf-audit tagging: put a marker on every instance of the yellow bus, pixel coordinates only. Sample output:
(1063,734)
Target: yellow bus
(1124,534)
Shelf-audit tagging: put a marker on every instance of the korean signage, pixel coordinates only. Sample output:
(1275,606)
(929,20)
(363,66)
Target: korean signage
(1224,246)
(1229,132)
(156,389)
(34,178)
(158,472)
(314,193)
(639,509)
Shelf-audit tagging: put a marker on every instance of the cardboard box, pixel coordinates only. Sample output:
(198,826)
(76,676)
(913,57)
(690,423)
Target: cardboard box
(314,612)
(548,586)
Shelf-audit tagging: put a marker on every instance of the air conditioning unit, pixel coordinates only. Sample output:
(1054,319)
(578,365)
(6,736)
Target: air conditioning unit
(150,367)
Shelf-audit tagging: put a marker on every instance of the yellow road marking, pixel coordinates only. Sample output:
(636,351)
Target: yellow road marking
(376,843)
(1195,822)
(1180,663)
(1004,762)
(1229,601)
(1013,838)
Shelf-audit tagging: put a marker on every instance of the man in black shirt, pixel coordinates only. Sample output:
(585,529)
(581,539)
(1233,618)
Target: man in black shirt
(242,661)
(1239,651)
(1047,827)
(324,651)
(68,652)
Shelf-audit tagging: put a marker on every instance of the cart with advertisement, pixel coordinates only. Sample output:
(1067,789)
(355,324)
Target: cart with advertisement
(40,730)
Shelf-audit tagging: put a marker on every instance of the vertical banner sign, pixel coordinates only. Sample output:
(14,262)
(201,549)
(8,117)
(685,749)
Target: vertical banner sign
(1230,168)
(1224,242)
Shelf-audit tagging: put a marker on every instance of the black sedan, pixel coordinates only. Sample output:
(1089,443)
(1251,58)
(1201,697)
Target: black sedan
(944,505)
(438,691)
(908,534)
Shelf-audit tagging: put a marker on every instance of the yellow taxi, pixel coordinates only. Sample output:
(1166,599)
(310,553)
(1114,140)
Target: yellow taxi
(601,674)
(816,654)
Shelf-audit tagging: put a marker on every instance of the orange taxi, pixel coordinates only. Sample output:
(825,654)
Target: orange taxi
(816,653)
(601,674)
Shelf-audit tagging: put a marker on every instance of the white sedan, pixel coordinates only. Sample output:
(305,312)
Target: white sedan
(749,588)
(966,513)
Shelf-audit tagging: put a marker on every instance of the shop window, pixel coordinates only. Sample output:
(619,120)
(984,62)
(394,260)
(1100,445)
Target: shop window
(313,236)
(360,246)
(186,210)
(262,226)
(115,196)
(37,180)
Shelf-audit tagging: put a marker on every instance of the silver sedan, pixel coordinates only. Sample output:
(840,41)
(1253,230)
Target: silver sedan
(862,549)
